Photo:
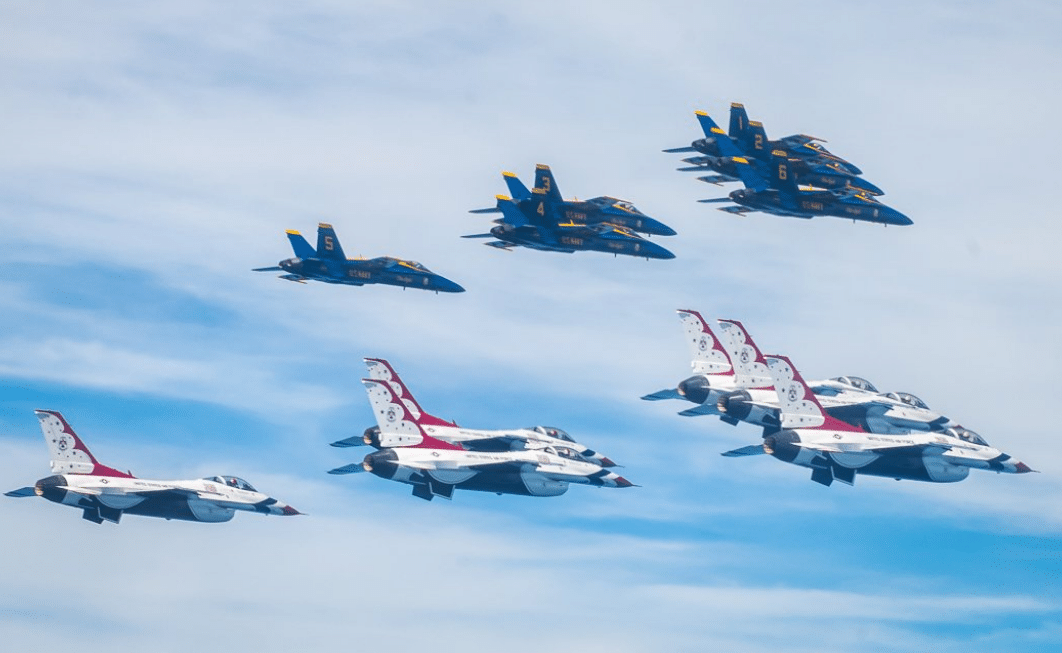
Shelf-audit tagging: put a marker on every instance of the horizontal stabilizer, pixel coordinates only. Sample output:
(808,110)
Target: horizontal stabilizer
(353,441)
(500,245)
(750,450)
(670,393)
(715,200)
(352,468)
(275,268)
(293,277)
(21,492)
(692,169)
(717,179)
(492,209)
(479,236)
(735,210)
(702,409)
(676,150)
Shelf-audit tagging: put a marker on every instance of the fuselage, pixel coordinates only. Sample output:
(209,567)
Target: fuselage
(358,272)
(527,472)
(936,457)
(572,237)
(813,203)
(106,498)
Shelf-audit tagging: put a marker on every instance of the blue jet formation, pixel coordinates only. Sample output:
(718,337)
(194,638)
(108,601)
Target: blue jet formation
(328,263)
(540,218)
(773,173)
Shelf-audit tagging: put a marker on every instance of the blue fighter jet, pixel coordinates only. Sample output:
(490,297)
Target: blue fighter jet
(717,151)
(328,263)
(538,225)
(780,195)
(593,211)
(752,137)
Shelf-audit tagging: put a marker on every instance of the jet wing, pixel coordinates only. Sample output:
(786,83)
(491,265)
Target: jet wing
(841,446)
(22,492)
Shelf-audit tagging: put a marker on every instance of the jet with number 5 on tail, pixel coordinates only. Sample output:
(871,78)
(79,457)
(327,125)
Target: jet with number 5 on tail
(538,225)
(719,153)
(103,493)
(435,468)
(329,264)
(836,451)
(780,195)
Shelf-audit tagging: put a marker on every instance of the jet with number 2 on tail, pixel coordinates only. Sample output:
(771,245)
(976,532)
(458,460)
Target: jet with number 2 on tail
(719,153)
(329,264)
(837,451)
(435,468)
(103,493)
(752,138)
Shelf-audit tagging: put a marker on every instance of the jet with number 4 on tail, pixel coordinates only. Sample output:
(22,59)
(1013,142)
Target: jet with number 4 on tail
(838,451)
(720,154)
(539,224)
(103,493)
(471,439)
(435,468)
(329,264)
(780,195)
(597,210)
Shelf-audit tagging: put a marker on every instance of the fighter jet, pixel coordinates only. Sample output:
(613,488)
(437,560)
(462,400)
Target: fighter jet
(537,225)
(719,153)
(836,450)
(598,210)
(328,263)
(471,439)
(780,195)
(752,138)
(436,468)
(732,380)
(104,494)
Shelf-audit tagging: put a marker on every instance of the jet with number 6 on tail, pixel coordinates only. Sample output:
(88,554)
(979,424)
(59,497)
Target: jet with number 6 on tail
(780,195)
(103,493)
(329,264)
(836,451)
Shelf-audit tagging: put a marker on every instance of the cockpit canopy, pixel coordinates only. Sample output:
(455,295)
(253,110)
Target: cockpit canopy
(908,398)
(966,435)
(564,452)
(232,481)
(552,432)
(856,382)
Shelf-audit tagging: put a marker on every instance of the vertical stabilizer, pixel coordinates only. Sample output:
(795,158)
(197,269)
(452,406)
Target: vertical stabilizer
(300,246)
(782,173)
(328,246)
(381,370)
(739,122)
(397,425)
(750,367)
(800,408)
(709,354)
(516,187)
(544,180)
(69,455)
(713,131)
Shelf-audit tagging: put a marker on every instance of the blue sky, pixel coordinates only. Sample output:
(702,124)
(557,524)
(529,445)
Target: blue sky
(153,155)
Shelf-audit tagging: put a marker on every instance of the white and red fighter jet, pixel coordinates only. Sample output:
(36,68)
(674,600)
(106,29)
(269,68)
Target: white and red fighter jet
(105,494)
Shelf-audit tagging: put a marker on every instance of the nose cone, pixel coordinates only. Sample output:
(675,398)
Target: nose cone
(652,250)
(892,216)
(605,461)
(653,227)
(383,463)
(619,481)
(442,284)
